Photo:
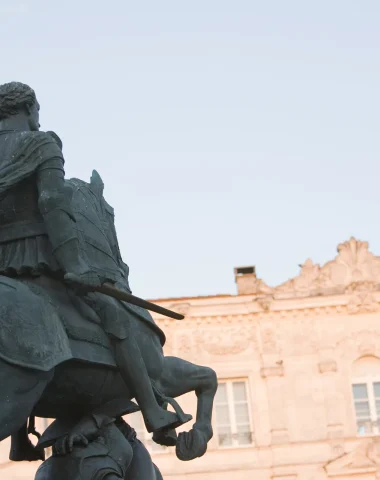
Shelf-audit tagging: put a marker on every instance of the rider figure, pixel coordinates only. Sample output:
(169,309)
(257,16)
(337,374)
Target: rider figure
(37,234)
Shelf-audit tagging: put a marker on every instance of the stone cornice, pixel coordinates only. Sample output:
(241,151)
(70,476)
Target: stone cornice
(342,305)
(348,284)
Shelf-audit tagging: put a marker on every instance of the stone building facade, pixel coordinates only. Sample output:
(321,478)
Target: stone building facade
(299,375)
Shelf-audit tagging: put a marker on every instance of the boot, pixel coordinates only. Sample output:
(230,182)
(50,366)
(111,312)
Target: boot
(22,449)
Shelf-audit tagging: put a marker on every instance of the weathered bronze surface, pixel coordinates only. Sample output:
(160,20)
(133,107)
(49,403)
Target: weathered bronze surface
(75,344)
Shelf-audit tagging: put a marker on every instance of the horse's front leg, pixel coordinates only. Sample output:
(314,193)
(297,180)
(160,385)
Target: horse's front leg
(179,377)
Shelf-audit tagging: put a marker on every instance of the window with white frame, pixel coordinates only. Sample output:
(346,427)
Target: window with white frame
(136,421)
(232,419)
(366,395)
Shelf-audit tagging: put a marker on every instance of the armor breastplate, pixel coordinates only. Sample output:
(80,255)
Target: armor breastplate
(19,213)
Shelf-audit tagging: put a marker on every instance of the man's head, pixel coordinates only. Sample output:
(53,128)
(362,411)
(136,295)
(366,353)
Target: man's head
(17,99)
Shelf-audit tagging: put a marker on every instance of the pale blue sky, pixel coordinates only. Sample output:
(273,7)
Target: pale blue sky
(228,133)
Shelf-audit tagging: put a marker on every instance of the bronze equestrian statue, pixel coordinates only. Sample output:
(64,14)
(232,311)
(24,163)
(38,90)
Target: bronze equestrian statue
(68,350)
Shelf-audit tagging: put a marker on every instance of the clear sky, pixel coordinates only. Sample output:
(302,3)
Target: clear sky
(227,132)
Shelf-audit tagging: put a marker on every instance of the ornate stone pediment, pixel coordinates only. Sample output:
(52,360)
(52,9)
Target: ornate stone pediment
(355,271)
(363,459)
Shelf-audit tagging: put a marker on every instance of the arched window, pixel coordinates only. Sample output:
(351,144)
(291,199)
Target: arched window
(366,395)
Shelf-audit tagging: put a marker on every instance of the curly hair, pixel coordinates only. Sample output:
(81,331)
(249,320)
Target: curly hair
(13,97)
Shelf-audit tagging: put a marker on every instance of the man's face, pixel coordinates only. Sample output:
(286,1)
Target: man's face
(34,117)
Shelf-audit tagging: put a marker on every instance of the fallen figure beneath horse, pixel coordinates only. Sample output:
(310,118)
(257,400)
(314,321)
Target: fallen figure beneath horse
(108,449)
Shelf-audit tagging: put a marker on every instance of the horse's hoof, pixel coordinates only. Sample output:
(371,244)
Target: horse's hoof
(190,445)
(167,438)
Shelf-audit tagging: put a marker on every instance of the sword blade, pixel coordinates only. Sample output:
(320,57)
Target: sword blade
(111,291)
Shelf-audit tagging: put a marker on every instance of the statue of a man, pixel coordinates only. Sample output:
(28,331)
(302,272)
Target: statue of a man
(37,227)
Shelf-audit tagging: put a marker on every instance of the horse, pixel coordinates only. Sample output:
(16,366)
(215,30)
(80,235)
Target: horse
(56,360)
(89,380)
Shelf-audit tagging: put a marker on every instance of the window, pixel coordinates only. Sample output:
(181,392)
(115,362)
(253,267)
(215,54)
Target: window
(367,406)
(136,421)
(232,419)
(366,394)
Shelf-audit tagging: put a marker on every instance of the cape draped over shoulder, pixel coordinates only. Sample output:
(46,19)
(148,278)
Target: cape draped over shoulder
(22,153)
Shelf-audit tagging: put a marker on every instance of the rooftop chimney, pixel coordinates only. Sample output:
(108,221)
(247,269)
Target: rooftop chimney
(246,280)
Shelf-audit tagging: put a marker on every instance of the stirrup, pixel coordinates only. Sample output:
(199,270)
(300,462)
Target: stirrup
(182,416)
(32,427)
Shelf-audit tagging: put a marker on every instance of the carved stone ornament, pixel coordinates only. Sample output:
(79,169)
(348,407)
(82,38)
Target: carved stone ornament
(362,298)
(363,459)
(354,264)
(224,341)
